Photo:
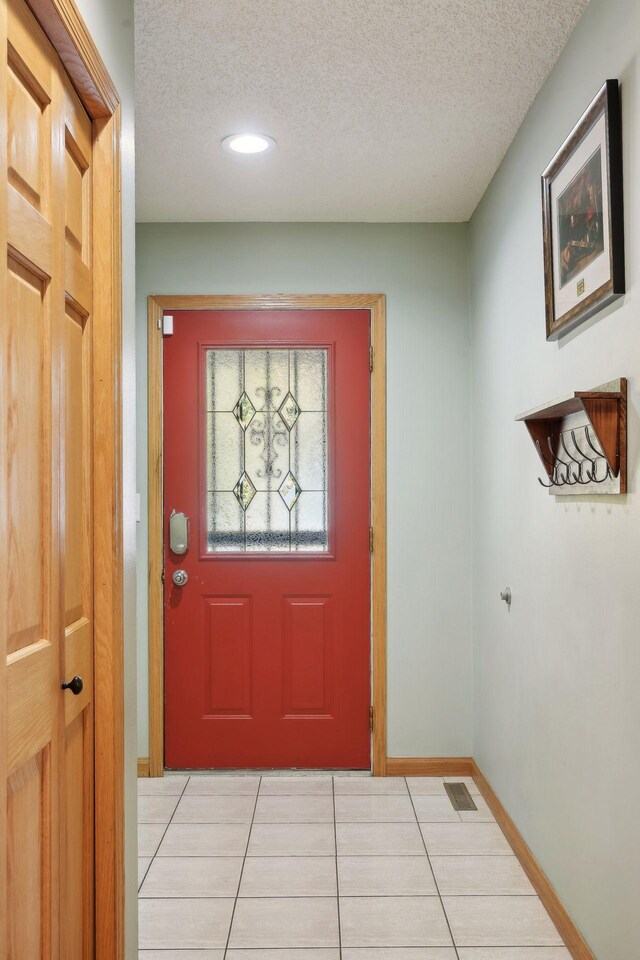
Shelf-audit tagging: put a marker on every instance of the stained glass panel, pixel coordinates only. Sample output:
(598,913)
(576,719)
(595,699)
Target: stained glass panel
(266,450)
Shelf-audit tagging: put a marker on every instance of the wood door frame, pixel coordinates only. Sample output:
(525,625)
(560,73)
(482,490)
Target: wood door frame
(68,34)
(376,304)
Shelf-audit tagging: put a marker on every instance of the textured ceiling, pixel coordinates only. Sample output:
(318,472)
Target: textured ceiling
(387,110)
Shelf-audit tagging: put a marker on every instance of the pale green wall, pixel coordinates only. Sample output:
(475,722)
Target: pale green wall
(111,25)
(422,269)
(557,710)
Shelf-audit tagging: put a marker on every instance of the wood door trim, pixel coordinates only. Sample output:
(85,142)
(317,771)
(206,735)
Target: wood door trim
(143,767)
(155,541)
(376,304)
(73,43)
(108,559)
(4,562)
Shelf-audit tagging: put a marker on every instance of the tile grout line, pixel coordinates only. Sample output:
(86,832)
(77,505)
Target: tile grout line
(304,823)
(244,860)
(335,840)
(350,896)
(314,823)
(160,843)
(320,856)
(446,917)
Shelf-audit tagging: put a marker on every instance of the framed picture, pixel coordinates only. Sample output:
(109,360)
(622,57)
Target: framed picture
(582,217)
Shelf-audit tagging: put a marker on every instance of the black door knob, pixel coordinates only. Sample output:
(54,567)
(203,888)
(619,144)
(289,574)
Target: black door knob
(75,685)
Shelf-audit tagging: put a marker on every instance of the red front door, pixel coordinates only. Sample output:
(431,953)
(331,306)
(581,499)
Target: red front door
(267,453)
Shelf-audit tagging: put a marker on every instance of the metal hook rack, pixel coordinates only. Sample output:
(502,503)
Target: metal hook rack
(576,470)
(581,441)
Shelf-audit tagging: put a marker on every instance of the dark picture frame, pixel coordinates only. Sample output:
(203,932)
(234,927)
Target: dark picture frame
(583,217)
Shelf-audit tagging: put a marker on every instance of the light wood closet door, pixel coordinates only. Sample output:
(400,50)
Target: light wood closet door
(46,754)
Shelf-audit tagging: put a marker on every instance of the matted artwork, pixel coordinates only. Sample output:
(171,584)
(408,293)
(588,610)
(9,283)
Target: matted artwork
(583,217)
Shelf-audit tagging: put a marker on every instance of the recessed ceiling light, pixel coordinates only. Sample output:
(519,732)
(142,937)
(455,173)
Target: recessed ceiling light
(248,143)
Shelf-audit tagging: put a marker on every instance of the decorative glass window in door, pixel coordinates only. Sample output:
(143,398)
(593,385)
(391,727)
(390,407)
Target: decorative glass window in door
(266,450)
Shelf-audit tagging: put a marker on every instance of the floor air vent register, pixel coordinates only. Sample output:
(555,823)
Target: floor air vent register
(459,796)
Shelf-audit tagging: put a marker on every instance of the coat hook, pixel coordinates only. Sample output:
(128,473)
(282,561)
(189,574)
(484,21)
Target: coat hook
(580,463)
(506,596)
(600,454)
(586,459)
(567,479)
(552,476)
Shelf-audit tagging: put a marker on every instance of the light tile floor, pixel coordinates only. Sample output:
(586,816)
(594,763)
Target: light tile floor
(329,868)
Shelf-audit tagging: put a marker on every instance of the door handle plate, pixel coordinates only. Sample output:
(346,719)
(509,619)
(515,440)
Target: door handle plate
(178,532)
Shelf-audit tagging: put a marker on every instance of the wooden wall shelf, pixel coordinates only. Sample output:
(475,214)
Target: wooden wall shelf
(581,440)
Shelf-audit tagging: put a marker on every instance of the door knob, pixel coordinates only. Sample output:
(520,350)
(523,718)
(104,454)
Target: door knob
(75,685)
(180,577)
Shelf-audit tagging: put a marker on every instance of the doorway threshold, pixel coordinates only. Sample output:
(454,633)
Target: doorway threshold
(288,772)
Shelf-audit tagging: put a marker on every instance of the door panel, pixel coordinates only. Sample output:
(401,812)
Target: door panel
(45,497)
(228,657)
(307,656)
(267,451)
(28,452)
(29,828)
(29,81)
(77,880)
